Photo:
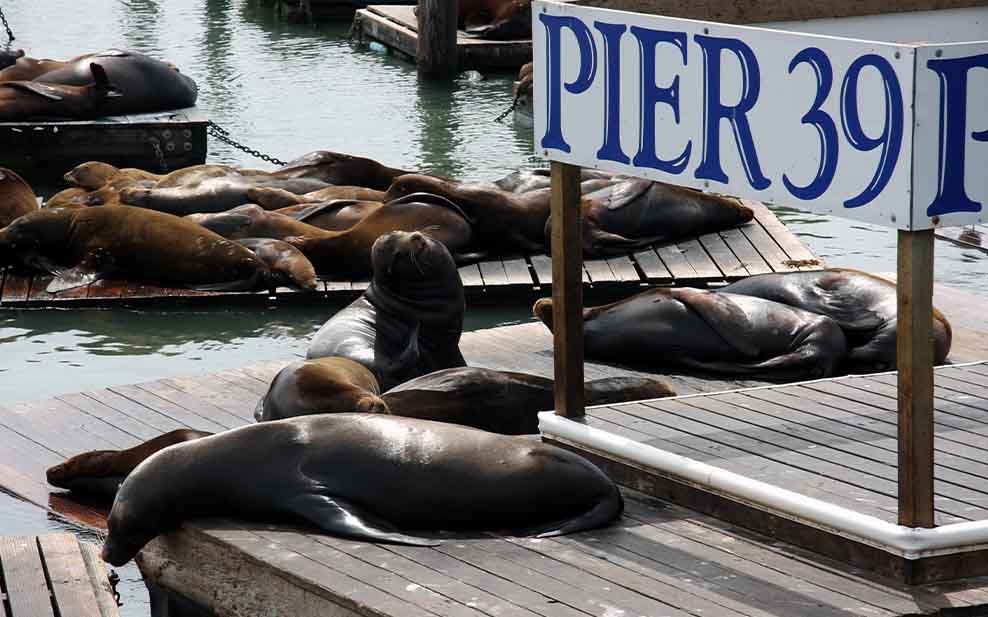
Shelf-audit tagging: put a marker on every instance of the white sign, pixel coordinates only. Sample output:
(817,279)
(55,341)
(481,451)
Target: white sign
(888,133)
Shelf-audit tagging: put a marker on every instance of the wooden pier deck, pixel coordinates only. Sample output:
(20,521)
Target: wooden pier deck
(396,27)
(53,575)
(761,246)
(37,149)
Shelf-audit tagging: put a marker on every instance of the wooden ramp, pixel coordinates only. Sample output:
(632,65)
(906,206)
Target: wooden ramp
(396,27)
(153,141)
(53,575)
(763,245)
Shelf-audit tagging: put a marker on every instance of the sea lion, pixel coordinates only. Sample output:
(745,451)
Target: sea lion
(8,57)
(409,320)
(271,199)
(365,476)
(864,306)
(250,221)
(710,331)
(100,473)
(286,264)
(212,194)
(322,385)
(79,246)
(502,401)
(341,170)
(26,68)
(523,181)
(17,198)
(336,215)
(501,20)
(72,197)
(22,100)
(348,253)
(94,175)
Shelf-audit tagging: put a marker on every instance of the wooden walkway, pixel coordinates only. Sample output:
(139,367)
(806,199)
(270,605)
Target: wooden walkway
(396,27)
(761,246)
(53,575)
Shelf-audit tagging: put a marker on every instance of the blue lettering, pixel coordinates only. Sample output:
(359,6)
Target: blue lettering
(951,196)
(819,119)
(652,95)
(714,111)
(554,25)
(611,150)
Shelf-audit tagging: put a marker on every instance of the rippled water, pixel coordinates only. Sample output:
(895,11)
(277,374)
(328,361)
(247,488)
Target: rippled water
(286,89)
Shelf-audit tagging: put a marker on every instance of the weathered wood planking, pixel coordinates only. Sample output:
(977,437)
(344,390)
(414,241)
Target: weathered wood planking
(51,575)
(36,148)
(396,27)
(761,246)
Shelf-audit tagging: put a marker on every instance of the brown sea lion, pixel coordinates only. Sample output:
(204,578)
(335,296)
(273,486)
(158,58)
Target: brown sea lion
(370,477)
(337,215)
(8,57)
(80,245)
(72,197)
(409,321)
(22,100)
(271,199)
(26,68)
(250,221)
(94,175)
(341,170)
(864,305)
(348,253)
(17,198)
(496,19)
(526,180)
(322,385)
(100,473)
(211,194)
(710,331)
(286,264)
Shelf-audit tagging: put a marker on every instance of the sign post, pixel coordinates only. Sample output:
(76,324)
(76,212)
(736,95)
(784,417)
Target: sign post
(888,133)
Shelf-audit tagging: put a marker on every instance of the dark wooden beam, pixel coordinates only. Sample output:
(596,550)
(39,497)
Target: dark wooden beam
(437,54)
(567,290)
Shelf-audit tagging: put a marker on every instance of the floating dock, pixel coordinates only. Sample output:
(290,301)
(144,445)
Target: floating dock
(660,559)
(761,246)
(53,575)
(396,27)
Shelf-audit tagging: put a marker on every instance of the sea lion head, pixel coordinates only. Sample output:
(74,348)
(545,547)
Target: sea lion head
(90,176)
(404,260)
(413,183)
(33,233)
(131,524)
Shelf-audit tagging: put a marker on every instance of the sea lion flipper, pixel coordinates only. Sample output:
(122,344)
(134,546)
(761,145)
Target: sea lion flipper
(343,518)
(620,194)
(79,276)
(35,88)
(723,316)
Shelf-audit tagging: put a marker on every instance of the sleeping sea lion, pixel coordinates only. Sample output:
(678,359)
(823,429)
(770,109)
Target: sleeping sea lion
(864,306)
(365,476)
(94,175)
(335,215)
(271,199)
(408,322)
(72,197)
(523,181)
(210,194)
(17,198)
(710,331)
(322,385)
(500,20)
(22,100)
(341,170)
(79,246)
(250,221)
(286,264)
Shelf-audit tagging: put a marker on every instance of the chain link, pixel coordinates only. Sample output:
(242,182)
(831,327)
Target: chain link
(114,578)
(223,135)
(6,26)
(156,145)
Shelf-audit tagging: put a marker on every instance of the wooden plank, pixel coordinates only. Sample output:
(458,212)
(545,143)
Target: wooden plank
(542,269)
(773,255)
(471,277)
(751,259)
(624,269)
(674,261)
(70,583)
(704,267)
(16,288)
(24,578)
(517,272)
(600,273)
(652,266)
(798,252)
(493,273)
(567,290)
(722,256)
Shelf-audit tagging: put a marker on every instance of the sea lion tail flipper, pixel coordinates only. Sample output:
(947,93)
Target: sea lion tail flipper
(64,280)
(723,316)
(601,514)
(343,518)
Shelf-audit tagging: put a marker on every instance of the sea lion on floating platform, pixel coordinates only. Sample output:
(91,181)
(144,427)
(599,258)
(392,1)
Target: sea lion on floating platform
(409,320)
(864,305)
(341,170)
(365,476)
(211,194)
(523,181)
(79,246)
(710,331)
(17,198)
(94,175)
(335,215)
(321,385)
(72,197)
(286,264)
(272,199)
(8,57)
(250,221)
(348,252)
(500,20)
(23,100)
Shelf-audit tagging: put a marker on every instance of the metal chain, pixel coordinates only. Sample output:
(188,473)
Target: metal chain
(156,145)
(114,578)
(223,135)
(6,26)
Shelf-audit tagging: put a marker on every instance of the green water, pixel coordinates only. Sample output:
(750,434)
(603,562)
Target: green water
(287,89)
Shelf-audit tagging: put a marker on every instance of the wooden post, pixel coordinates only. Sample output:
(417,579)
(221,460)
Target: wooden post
(915,364)
(436,53)
(567,290)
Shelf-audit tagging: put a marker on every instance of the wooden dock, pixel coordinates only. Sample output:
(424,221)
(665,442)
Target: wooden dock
(396,27)
(761,246)
(53,575)
(154,141)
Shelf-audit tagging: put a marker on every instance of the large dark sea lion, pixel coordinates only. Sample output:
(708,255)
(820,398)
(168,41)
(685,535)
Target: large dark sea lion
(501,20)
(23,100)
(286,264)
(17,198)
(409,321)
(366,476)
(212,194)
(523,181)
(710,331)
(348,253)
(271,199)
(81,245)
(8,57)
(323,385)
(336,215)
(341,170)
(250,221)
(862,304)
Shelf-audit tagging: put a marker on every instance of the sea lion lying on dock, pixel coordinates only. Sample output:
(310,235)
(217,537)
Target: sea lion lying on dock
(320,385)
(500,20)
(79,246)
(17,198)
(710,331)
(271,199)
(213,194)
(341,170)
(335,215)
(864,306)
(286,264)
(250,221)
(365,476)
(23,100)
(409,320)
